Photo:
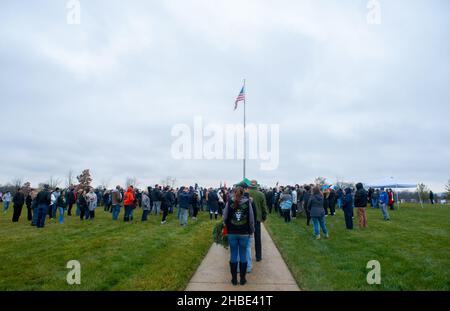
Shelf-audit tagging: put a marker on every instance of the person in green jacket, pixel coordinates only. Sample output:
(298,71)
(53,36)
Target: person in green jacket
(260,214)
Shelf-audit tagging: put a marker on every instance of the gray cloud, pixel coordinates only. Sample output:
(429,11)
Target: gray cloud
(353,100)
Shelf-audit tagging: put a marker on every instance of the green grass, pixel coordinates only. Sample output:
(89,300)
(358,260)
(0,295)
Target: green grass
(113,255)
(413,250)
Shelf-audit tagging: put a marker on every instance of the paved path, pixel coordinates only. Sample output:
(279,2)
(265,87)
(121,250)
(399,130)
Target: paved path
(270,274)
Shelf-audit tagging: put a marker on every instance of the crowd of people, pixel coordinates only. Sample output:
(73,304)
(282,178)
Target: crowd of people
(242,208)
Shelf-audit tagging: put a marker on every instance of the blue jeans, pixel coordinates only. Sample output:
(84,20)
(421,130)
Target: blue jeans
(319,222)
(5,205)
(384,211)
(249,255)
(375,203)
(35,216)
(53,210)
(339,203)
(128,211)
(115,211)
(156,207)
(183,212)
(238,247)
(42,213)
(145,215)
(61,214)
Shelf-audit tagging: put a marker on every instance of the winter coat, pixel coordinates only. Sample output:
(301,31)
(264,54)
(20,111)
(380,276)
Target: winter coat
(146,202)
(213,201)
(43,198)
(360,196)
(259,201)
(116,197)
(315,205)
(184,199)
(241,220)
(384,197)
(156,195)
(128,198)
(19,199)
(347,205)
(91,198)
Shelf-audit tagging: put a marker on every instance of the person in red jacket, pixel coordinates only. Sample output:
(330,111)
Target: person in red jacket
(128,203)
(391,199)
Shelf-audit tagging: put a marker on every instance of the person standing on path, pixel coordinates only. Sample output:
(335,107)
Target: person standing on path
(18,201)
(361,204)
(260,207)
(239,219)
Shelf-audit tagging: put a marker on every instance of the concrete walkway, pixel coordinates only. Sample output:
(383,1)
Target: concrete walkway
(270,274)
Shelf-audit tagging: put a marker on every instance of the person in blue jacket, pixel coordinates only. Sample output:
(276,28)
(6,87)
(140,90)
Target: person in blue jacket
(384,200)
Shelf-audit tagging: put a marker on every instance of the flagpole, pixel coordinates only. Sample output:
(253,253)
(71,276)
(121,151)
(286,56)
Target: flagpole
(245,139)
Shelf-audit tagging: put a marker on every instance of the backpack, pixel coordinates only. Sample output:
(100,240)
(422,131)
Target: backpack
(240,215)
(286,204)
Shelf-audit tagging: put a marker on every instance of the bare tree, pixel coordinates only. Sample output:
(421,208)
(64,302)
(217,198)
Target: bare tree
(423,191)
(104,184)
(17,182)
(53,182)
(69,178)
(447,190)
(131,181)
(320,181)
(169,181)
(26,188)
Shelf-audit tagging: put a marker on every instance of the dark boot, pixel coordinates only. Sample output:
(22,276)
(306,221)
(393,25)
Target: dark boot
(243,272)
(233,268)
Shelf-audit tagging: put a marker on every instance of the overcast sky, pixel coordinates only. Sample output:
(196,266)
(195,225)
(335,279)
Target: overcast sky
(354,101)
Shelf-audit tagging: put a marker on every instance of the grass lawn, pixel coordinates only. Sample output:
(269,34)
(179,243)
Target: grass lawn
(413,250)
(113,255)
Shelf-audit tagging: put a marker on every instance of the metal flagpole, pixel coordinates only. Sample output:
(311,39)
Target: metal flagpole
(245,139)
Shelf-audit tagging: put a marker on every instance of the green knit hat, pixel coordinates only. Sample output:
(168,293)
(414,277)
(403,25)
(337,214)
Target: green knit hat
(245,183)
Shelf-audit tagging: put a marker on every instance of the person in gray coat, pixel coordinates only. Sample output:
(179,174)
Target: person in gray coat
(146,207)
(317,212)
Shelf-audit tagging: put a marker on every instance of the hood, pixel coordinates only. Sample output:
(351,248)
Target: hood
(359,186)
(129,189)
(348,190)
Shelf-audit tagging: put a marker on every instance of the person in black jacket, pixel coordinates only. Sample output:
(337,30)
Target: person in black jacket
(70,200)
(28,203)
(361,204)
(156,198)
(332,201)
(347,206)
(43,199)
(18,201)
(306,197)
(82,203)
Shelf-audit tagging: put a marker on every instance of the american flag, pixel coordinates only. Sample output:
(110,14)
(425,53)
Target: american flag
(241,97)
